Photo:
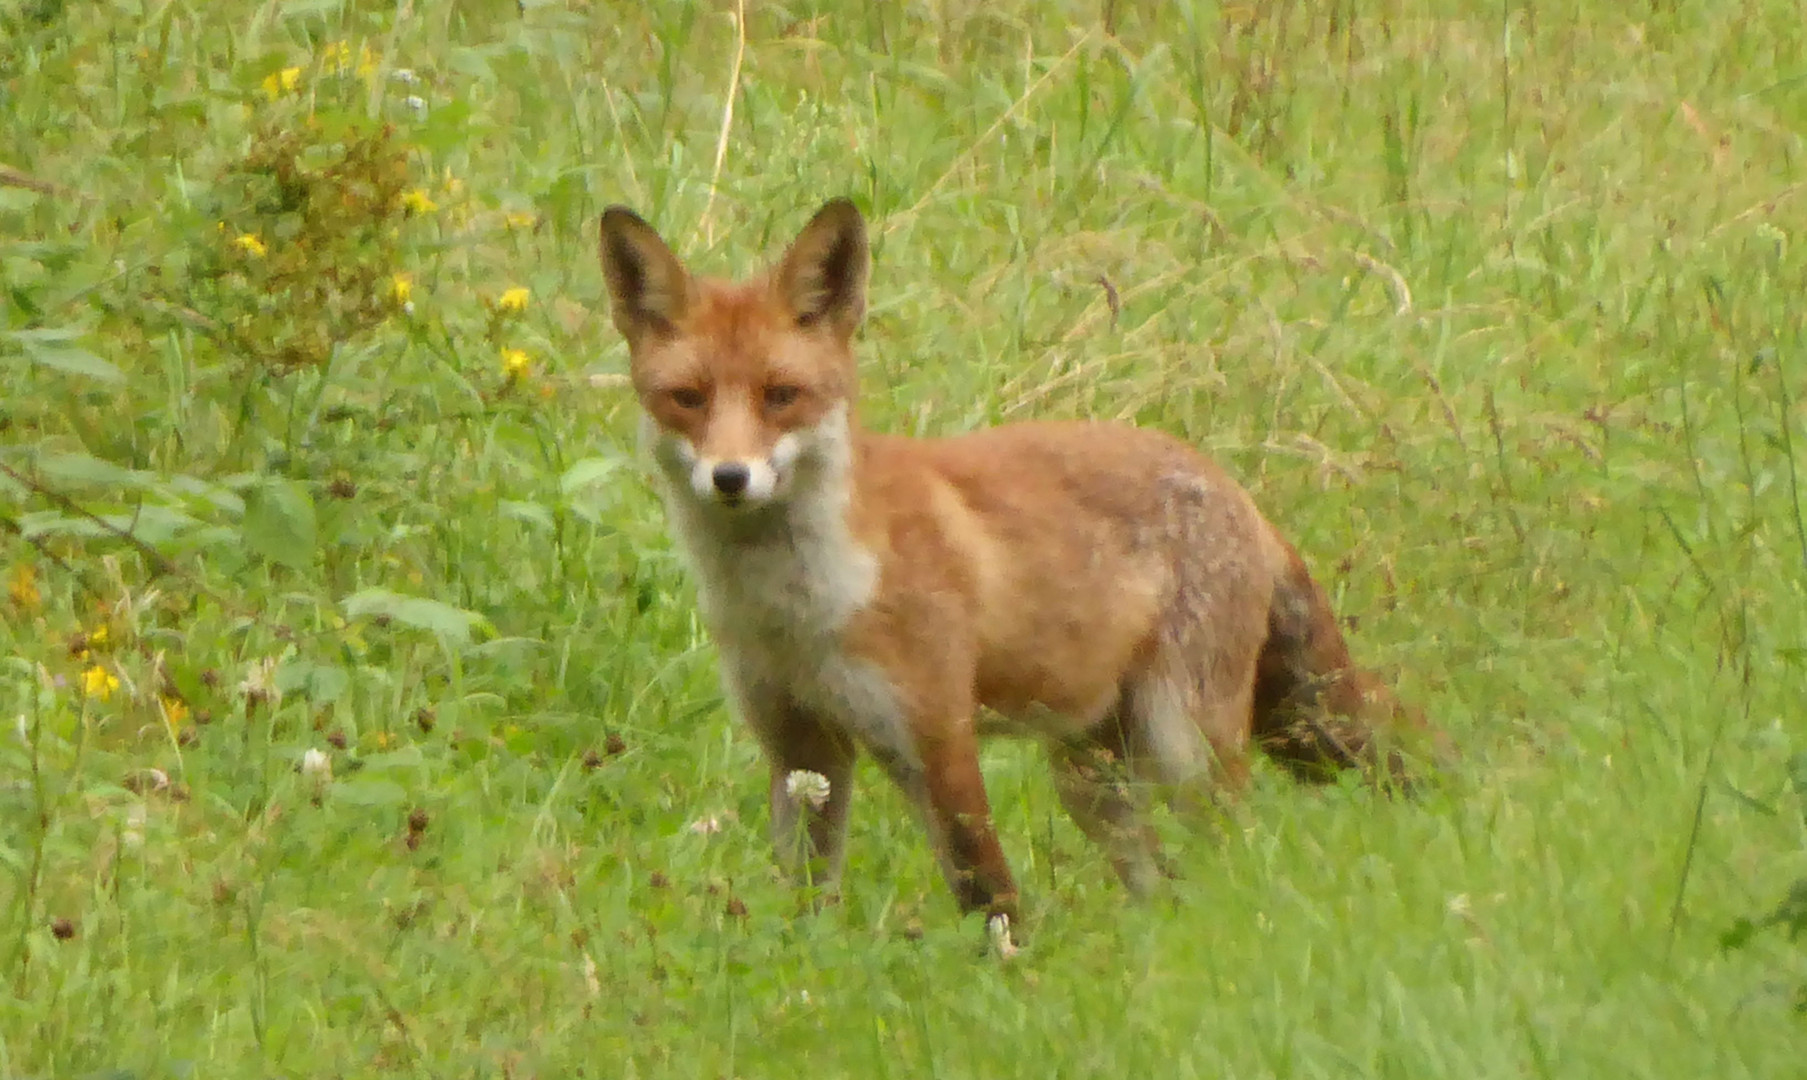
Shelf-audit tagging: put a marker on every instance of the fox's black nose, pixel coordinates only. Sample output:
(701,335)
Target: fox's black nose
(731,477)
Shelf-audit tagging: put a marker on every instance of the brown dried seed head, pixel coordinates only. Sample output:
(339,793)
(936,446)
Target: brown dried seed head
(658,880)
(592,759)
(337,738)
(735,908)
(425,718)
(417,820)
(614,745)
(62,928)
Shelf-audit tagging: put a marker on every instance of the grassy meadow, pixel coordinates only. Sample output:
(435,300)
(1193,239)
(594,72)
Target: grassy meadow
(355,719)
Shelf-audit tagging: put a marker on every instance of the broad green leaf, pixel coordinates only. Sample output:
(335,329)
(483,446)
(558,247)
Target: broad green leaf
(587,472)
(369,791)
(407,756)
(279,523)
(530,513)
(84,469)
(323,684)
(1797,774)
(149,524)
(454,624)
(55,349)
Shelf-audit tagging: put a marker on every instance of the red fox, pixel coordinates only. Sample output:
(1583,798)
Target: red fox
(1103,586)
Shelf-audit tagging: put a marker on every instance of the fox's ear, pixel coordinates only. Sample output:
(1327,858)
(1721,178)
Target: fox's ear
(648,287)
(822,278)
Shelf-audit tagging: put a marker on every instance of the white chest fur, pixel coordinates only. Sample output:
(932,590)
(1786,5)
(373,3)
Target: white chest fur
(778,586)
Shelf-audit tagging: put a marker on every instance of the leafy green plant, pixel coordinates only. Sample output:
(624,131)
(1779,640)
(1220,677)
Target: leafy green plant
(1789,916)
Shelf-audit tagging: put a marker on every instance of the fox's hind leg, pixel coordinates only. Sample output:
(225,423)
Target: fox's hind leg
(1092,775)
(1187,721)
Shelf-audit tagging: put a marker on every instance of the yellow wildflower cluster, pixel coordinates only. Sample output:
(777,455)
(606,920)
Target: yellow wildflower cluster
(99,683)
(516,364)
(514,300)
(251,244)
(82,646)
(336,59)
(286,81)
(417,201)
(175,710)
(22,587)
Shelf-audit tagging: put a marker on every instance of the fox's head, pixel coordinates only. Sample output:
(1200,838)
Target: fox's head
(749,385)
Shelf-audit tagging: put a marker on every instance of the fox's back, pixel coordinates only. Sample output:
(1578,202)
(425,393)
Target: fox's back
(1073,545)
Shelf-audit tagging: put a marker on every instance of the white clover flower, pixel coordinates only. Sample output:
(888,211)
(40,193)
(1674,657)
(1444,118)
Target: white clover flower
(259,683)
(317,768)
(131,834)
(998,927)
(706,826)
(417,103)
(803,786)
(405,76)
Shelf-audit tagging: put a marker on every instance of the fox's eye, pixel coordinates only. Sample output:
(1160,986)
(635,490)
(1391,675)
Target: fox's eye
(779,395)
(688,397)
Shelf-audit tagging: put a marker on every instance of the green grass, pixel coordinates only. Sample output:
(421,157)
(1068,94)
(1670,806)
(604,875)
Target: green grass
(1501,310)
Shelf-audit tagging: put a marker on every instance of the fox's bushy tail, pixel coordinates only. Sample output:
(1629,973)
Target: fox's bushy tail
(1316,712)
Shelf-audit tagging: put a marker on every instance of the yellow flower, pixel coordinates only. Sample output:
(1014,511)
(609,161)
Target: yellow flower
(384,740)
(98,682)
(417,201)
(367,61)
(286,81)
(23,588)
(514,299)
(515,363)
(252,245)
(336,56)
(519,219)
(401,287)
(175,710)
(99,636)
(453,185)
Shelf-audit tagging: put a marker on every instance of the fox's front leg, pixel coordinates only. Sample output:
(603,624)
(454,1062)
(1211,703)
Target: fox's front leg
(811,785)
(945,782)
(811,791)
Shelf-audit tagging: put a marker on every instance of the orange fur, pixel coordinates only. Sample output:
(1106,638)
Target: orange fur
(1104,587)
